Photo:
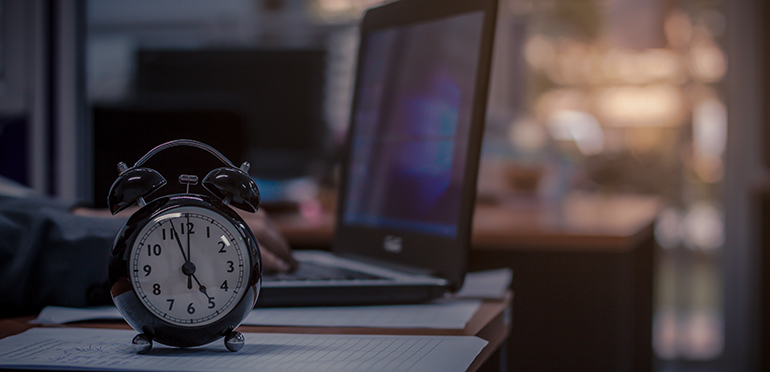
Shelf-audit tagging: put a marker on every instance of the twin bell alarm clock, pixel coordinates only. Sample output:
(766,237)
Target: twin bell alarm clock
(185,269)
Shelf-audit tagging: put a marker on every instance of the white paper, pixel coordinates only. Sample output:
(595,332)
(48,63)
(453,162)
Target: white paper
(440,314)
(102,349)
(62,315)
(490,284)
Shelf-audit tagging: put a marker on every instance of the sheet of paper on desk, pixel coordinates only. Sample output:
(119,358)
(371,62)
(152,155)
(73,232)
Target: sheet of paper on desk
(443,314)
(107,349)
(490,284)
(63,315)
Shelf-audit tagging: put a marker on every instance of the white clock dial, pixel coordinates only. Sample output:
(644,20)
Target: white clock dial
(189,266)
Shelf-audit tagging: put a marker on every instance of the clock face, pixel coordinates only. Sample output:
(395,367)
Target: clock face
(189,266)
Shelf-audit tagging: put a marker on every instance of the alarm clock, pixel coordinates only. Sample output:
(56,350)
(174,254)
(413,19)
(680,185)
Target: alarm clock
(185,269)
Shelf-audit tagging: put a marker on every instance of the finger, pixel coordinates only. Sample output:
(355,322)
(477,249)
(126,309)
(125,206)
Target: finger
(282,248)
(272,241)
(272,263)
(270,238)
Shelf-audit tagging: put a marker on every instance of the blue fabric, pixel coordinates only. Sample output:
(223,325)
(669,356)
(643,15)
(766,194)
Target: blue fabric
(48,256)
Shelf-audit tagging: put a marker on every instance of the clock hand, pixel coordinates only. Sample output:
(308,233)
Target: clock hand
(179,242)
(201,287)
(186,259)
(189,257)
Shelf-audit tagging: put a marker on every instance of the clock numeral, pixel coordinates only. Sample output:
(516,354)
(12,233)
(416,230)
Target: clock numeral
(164,233)
(230,267)
(156,289)
(170,303)
(147,270)
(224,286)
(208,232)
(190,308)
(222,247)
(190,228)
(211,303)
(155,249)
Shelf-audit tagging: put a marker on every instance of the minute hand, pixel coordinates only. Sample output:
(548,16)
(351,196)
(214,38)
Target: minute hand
(186,259)
(179,243)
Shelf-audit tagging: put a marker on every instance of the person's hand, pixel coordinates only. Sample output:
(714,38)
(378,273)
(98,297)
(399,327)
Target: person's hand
(276,254)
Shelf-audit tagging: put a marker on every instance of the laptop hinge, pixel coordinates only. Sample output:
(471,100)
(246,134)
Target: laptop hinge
(388,264)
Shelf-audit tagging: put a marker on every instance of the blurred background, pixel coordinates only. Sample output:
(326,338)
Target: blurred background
(653,98)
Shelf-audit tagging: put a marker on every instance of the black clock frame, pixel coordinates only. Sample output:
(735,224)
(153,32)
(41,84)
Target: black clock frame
(136,313)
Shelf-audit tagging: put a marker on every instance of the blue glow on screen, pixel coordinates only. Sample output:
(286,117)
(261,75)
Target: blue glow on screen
(412,123)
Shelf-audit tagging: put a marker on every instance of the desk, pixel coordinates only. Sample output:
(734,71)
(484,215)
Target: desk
(490,322)
(583,277)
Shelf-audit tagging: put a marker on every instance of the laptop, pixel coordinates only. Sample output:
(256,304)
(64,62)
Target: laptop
(408,179)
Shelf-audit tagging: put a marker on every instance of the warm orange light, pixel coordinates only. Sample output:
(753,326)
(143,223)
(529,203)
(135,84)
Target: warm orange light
(556,100)
(678,29)
(655,105)
(653,65)
(528,135)
(539,51)
(662,64)
(335,5)
(707,62)
(343,9)
(569,62)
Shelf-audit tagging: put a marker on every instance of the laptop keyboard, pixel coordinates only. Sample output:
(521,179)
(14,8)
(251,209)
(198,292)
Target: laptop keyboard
(311,271)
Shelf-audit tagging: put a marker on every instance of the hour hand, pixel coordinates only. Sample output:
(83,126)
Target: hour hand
(189,269)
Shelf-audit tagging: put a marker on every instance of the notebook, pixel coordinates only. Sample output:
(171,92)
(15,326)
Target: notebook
(408,179)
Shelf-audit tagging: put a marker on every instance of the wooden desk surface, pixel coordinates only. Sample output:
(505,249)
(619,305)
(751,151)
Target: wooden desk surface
(582,222)
(490,322)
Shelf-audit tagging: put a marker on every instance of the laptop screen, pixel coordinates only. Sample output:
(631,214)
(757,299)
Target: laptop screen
(409,176)
(411,123)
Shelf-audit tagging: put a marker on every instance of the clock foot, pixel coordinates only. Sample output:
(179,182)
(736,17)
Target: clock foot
(142,344)
(234,341)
